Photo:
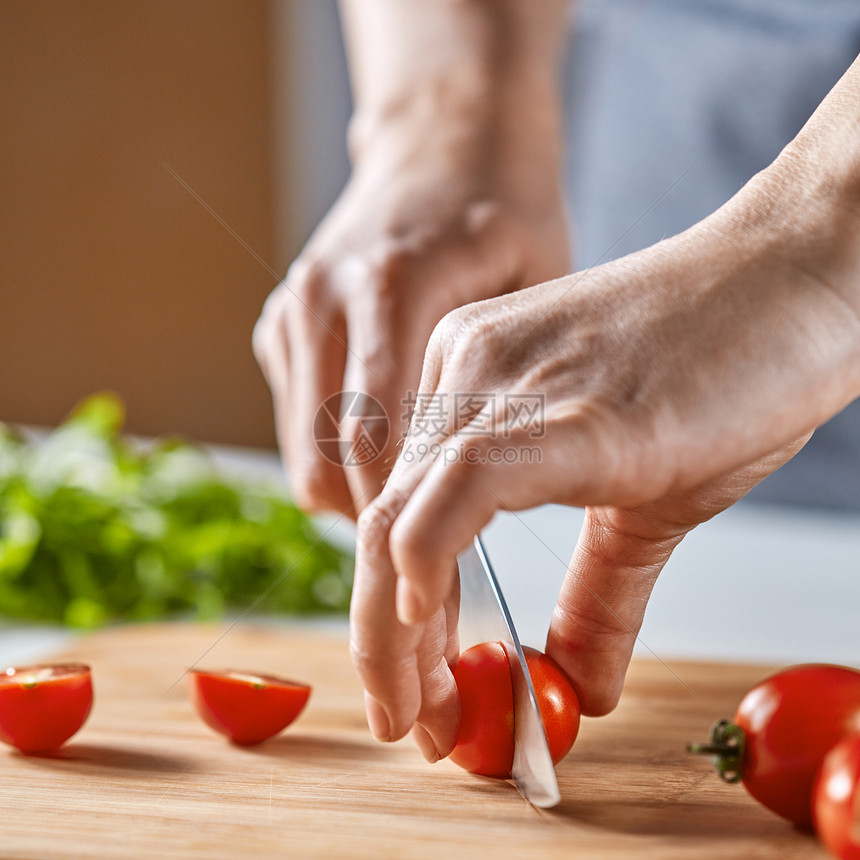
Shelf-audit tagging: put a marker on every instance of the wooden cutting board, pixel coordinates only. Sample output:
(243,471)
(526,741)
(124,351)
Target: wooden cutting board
(145,778)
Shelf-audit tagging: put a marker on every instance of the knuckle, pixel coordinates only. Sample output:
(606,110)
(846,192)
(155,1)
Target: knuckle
(262,337)
(595,622)
(364,663)
(307,275)
(451,327)
(307,289)
(267,322)
(409,544)
(374,524)
(446,334)
(378,273)
(390,265)
(374,527)
(466,337)
(381,671)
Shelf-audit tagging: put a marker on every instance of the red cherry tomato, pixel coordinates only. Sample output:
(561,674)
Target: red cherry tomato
(41,707)
(485,743)
(247,707)
(836,800)
(783,728)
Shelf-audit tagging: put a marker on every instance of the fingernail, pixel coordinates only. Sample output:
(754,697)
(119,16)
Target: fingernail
(409,603)
(425,743)
(377,719)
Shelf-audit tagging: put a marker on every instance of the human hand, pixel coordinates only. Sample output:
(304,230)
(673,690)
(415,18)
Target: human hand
(673,380)
(422,228)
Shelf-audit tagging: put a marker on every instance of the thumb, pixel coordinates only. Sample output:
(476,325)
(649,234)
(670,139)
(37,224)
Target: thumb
(602,601)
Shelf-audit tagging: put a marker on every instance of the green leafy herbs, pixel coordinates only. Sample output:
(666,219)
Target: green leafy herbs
(95,528)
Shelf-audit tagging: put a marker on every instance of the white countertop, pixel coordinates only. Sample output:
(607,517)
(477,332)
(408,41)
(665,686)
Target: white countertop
(755,584)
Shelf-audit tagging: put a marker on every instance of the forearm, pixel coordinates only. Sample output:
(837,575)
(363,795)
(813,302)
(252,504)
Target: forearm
(827,149)
(475,78)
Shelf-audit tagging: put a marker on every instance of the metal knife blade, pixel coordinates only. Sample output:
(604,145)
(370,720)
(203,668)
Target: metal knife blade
(484,617)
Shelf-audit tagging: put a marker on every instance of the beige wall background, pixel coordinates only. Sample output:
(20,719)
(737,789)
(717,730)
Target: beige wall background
(113,274)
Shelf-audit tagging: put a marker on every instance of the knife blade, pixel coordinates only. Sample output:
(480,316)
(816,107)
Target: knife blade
(485,617)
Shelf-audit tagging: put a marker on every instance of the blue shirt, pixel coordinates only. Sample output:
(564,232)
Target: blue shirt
(672,105)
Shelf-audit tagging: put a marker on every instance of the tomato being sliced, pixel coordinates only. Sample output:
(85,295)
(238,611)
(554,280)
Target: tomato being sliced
(782,730)
(836,800)
(485,742)
(247,707)
(41,707)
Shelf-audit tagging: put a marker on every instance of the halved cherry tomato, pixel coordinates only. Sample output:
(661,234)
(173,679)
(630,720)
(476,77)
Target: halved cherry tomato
(485,742)
(836,800)
(247,707)
(782,730)
(41,707)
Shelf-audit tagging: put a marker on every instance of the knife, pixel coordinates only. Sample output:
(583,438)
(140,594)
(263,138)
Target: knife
(484,617)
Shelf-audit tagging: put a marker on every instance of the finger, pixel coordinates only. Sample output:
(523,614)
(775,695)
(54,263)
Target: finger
(375,418)
(472,478)
(618,557)
(307,409)
(439,719)
(383,651)
(299,378)
(405,669)
(388,334)
(452,622)
(269,343)
(439,715)
(602,601)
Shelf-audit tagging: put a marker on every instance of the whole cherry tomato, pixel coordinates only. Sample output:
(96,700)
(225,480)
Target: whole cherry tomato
(782,730)
(836,799)
(485,743)
(41,707)
(247,707)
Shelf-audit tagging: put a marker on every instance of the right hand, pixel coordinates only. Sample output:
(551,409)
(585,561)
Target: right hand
(671,381)
(426,224)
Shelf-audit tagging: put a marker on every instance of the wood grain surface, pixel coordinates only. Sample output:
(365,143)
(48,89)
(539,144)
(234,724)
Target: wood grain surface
(145,778)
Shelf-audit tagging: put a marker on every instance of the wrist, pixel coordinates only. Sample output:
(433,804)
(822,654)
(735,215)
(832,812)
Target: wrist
(469,86)
(796,243)
(813,216)
(818,178)
(508,138)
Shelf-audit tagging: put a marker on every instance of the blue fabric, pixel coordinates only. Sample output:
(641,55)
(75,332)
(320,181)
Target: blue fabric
(672,106)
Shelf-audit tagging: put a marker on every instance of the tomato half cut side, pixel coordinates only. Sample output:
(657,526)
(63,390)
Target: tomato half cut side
(836,800)
(247,707)
(41,707)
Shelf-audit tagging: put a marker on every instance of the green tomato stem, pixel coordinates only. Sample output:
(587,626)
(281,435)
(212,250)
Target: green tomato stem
(727,748)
